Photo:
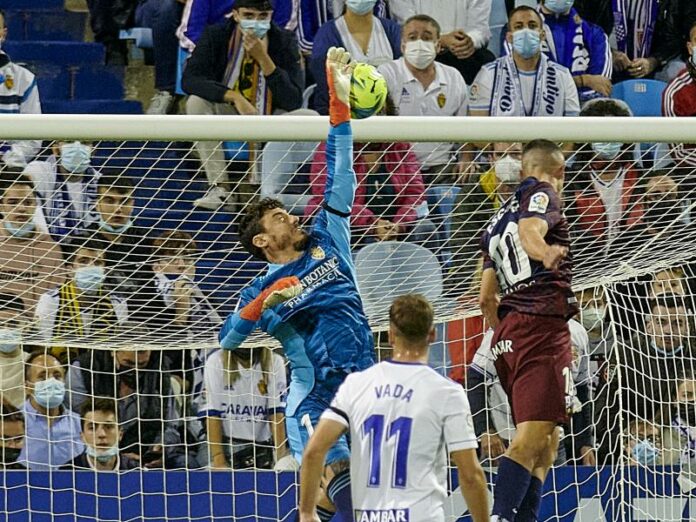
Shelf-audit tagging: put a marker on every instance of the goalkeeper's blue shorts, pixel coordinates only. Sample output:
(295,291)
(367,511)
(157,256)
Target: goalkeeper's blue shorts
(309,410)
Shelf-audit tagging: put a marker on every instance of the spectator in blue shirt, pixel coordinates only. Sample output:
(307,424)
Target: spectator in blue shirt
(366,37)
(52,431)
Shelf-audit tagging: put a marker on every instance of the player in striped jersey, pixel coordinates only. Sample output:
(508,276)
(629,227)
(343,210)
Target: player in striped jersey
(401,414)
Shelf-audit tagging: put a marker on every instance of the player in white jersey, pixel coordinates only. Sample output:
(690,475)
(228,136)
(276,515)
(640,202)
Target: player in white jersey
(401,415)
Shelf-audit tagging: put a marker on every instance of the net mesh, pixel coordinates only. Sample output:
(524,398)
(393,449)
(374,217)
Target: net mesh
(124,274)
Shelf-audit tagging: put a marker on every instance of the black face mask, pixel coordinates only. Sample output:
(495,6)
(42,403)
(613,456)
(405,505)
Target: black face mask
(10,455)
(662,212)
(686,413)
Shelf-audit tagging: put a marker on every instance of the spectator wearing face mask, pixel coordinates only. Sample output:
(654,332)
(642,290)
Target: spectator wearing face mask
(19,94)
(680,437)
(11,436)
(13,324)
(679,100)
(527,82)
(476,203)
(643,444)
(66,185)
(31,262)
(82,307)
(605,189)
(368,38)
(420,86)
(101,434)
(52,431)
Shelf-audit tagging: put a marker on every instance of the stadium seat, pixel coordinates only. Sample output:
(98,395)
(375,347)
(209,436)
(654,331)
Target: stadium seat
(644,97)
(307,95)
(280,162)
(180,62)
(388,269)
(441,199)
(141,36)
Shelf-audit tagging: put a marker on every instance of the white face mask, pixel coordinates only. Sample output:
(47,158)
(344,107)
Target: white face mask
(508,169)
(419,53)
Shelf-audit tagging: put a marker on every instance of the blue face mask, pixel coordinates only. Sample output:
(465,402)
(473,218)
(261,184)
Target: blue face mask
(645,452)
(526,42)
(102,454)
(114,230)
(75,157)
(258,27)
(49,393)
(607,151)
(10,339)
(20,232)
(559,6)
(361,7)
(89,278)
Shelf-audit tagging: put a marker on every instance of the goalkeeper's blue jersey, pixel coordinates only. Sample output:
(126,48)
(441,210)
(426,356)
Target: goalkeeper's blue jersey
(324,330)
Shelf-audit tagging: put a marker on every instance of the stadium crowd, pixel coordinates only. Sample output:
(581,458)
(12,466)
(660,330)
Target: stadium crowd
(77,270)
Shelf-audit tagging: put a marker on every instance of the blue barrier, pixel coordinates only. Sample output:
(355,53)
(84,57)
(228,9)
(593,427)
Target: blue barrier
(580,494)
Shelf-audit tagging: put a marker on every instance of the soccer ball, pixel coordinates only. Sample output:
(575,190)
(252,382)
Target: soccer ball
(368,91)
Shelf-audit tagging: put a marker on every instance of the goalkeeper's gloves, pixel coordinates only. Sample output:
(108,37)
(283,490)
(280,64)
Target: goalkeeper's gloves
(338,75)
(279,292)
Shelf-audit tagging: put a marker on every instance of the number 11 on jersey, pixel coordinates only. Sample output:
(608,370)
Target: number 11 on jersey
(373,427)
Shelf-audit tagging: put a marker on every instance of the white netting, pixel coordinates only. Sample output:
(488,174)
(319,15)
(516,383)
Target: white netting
(174,270)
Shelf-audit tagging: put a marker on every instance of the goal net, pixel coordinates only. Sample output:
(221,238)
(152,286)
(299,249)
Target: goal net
(120,261)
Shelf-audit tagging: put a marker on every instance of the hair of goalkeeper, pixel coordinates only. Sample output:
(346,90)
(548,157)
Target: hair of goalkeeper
(250,225)
(411,318)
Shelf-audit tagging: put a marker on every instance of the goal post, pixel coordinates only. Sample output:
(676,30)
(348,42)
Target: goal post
(117,273)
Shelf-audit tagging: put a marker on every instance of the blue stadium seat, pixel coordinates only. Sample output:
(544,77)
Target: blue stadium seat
(180,63)
(644,97)
(141,36)
(441,199)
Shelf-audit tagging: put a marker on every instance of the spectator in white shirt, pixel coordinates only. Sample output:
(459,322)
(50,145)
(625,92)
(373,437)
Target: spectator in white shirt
(465,30)
(13,324)
(526,83)
(245,403)
(420,86)
(66,185)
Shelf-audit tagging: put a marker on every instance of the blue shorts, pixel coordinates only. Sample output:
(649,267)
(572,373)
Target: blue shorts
(310,409)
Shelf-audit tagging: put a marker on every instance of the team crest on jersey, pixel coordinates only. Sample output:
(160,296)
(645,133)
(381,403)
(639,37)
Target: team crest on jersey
(263,387)
(318,253)
(473,92)
(9,81)
(441,100)
(539,203)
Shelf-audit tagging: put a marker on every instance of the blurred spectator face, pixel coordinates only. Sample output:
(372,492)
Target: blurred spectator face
(175,267)
(508,167)
(88,269)
(420,43)
(46,381)
(12,324)
(686,401)
(593,309)
(667,327)
(281,231)
(11,438)
(690,45)
(115,206)
(558,6)
(17,206)
(671,281)
(3,29)
(101,434)
(74,157)
(644,443)
(253,21)
(661,201)
(525,43)
(129,359)
(360,7)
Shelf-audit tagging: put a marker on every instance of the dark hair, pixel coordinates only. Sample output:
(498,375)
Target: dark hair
(605,107)
(423,18)
(10,177)
(541,145)
(114,180)
(4,16)
(32,357)
(250,225)
(412,316)
(12,303)
(173,243)
(78,243)
(667,300)
(520,8)
(97,404)
(10,414)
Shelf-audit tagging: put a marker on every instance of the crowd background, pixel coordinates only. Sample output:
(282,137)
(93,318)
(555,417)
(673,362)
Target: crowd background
(120,259)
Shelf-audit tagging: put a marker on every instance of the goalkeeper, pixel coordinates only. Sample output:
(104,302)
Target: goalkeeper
(308,299)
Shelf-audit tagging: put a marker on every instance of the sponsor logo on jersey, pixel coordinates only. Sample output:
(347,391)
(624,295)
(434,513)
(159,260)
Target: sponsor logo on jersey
(539,202)
(381,515)
(325,272)
(318,253)
(501,347)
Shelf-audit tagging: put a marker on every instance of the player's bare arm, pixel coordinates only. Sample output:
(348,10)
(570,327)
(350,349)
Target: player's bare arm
(472,482)
(488,296)
(325,435)
(532,232)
